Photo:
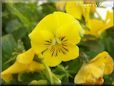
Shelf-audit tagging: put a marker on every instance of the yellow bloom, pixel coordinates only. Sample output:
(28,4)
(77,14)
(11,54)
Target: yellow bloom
(92,72)
(80,8)
(55,38)
(97,27)
(24,63)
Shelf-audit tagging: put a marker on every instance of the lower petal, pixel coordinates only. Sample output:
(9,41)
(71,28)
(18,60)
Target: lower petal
(50,60)
(73,52)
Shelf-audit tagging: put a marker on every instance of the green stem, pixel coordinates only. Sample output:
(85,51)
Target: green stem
(85,57)
(49,73)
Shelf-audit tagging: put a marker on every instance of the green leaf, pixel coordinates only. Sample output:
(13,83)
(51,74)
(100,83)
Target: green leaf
(9,45)
(107,79)
(74,65)
(12,25)
(48,8)
(62,73)
(19,33)
(92,47)
(26,77)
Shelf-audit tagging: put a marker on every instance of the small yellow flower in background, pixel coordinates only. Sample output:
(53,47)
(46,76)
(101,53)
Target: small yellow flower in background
(80,8)
(85,8)
(60,4)
(24,63)
(112,83)
(92,72)
(97,26)
(55,38)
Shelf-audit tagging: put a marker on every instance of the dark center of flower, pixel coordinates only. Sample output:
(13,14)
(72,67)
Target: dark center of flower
(56,46)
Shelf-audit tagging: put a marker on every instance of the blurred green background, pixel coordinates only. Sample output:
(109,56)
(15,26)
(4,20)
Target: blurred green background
(19,19)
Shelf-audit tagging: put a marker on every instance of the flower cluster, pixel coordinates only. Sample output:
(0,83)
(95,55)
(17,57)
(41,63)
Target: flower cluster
(55,40)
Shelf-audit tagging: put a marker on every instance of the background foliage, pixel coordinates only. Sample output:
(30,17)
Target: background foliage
(18,20)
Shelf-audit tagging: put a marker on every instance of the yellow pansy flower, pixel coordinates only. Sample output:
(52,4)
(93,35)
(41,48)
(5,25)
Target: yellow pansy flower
(97,26)
(24,63)
(55,38)
(92,72)
(80,8)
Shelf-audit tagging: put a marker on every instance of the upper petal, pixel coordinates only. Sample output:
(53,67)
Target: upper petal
(53,21)
(71,32)
(49,23)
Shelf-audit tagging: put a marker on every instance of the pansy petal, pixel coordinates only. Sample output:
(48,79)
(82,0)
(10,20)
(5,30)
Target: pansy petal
(104,58)
(60,5)
(26,57)
(72,53)
(86,12)
(109,65)
(93,7)
(39,40)
(35,66)
(15,68)
(70,32)
(88,74)
(7,77)
(96,27)
(74,9)
(63,19)
(51,60)
(47,23)
(52,21)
